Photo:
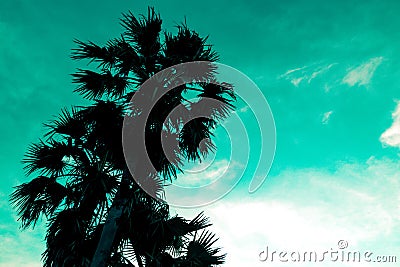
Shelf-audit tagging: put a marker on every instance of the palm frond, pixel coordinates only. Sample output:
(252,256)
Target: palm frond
(104,120)
(104,55)
(195,138)
(65,240)
(222,92)
(179,226)
(201,253)
(128,60)
(95,185)
(143,32)
(117,54)
(40,196)
(94,85)
(67,123)
(187,46)
(47,157)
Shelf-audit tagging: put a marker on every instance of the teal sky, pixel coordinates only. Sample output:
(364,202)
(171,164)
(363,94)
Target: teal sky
(330,71)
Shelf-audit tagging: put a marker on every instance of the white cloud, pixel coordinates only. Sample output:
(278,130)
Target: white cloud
(391,136)
(244,109)
(326,116)
(297,81)
(21,248)
(361,75)
(319,71)
(296,76)
(292,71)
(204,173)
(306,73)
(312,209)
(327,87)
(357,75)
(204,184)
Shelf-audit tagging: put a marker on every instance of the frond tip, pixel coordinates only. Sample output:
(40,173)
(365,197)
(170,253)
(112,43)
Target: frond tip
(201,253)
(91,51)
(143,32)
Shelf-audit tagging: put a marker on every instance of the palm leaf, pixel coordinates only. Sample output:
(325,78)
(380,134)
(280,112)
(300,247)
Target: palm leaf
(195,138)
(89,50)
(47,158)
(143,32)
(201,253)
(67,123)
(94,85)
(187,46)
(40,196)
(66,239)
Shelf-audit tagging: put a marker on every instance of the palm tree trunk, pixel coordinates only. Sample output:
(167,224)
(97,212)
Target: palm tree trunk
(106,241)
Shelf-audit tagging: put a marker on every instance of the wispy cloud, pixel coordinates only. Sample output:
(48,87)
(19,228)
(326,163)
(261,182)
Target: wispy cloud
(319,71)
(292,71)
(243,109)
(391,137)
(296,81)
(207,172)
(362,74)
(326,116)
(307,73)
(357,75)
(295,76)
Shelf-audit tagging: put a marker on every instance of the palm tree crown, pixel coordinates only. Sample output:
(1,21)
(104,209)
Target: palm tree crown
(81,174)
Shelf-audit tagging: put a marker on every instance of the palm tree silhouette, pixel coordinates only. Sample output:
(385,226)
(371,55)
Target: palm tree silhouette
(97,214)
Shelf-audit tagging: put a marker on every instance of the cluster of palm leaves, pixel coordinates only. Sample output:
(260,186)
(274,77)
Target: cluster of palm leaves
(95,210)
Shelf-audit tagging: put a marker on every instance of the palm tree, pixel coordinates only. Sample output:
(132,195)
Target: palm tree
(97,214)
